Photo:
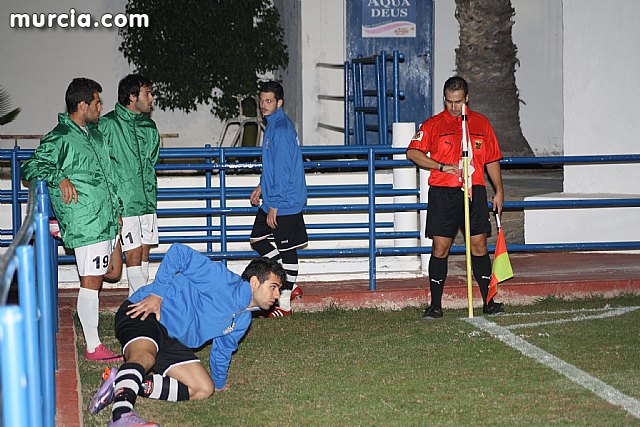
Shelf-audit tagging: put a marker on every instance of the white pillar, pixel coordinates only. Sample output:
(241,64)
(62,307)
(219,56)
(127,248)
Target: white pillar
(404,178)
(424,197)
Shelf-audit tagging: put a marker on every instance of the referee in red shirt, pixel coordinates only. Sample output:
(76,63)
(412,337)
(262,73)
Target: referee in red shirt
(440,137)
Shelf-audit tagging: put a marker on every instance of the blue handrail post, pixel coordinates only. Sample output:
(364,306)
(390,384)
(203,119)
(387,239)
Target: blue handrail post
(45,302)
(207,186)
(27,292)
(54,286)
(223,205)
(379,84)
(15,410)
(16,208)
(44,206)
(363,117)
(347,128)
(382,101)
(358,101)
(371,171)
(396,86)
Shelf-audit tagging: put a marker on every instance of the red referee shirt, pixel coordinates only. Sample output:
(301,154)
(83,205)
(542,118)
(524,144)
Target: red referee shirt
(441,135)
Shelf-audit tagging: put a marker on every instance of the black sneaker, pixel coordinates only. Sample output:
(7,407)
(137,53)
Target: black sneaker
(431,313)
(493,308)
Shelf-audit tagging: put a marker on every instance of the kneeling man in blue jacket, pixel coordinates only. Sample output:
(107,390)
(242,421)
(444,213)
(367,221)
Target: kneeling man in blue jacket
(191,301)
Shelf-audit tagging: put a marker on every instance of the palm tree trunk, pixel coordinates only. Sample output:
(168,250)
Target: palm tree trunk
(486,58)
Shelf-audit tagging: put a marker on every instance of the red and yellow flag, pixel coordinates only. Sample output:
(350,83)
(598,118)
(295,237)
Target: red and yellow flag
(501,266)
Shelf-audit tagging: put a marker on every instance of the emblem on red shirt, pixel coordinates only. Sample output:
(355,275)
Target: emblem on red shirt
(477,143)
(417,136)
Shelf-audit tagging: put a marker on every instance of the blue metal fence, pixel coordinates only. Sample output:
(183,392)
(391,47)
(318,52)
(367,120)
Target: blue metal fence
(362,101)
(27,329)
(209,161)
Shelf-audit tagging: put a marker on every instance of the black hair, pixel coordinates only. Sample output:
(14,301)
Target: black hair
(261,268)
(80,89)
(273,87)
(455,83)
(131,85)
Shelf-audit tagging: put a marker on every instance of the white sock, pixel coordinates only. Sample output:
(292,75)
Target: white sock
(145,271)
(136,278)
(87,307)
(285,300)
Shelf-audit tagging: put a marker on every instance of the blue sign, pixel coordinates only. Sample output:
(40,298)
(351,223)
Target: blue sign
(389,18)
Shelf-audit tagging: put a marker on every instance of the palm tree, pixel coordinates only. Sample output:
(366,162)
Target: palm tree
(486,58)
(6,114)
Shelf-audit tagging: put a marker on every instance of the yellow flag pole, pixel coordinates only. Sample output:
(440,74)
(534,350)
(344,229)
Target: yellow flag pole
(467,220)
(467,236)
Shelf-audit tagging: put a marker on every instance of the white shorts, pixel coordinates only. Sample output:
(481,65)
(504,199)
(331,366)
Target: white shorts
(138,231)
(93,260)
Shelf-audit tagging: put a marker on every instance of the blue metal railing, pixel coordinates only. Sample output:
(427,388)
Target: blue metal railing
(27,330)
(224,161)
(360,101)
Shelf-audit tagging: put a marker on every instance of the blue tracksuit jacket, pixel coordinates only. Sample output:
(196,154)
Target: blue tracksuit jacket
(282,181)
(201,300)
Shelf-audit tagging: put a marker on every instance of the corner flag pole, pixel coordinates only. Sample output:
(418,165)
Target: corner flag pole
(467,222)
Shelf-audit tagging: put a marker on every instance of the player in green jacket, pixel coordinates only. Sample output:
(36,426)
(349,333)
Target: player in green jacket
(134,147)
(74,161)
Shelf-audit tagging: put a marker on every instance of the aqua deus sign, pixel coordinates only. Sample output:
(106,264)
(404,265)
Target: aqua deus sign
(388,18)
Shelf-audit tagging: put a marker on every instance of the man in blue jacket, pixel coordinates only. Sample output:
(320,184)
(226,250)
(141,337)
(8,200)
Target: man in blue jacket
(191,301)
(284,193)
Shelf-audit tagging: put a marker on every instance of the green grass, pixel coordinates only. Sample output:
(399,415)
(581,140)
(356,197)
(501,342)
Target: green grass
(369,367)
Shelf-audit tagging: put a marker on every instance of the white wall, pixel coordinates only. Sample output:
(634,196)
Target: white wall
(601,92)
(314,33)
(537,33)
(37,65)
(290,19)
(445,33)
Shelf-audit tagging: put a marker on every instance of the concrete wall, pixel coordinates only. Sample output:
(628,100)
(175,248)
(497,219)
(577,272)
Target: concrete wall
(314,33)
(601,92)
(291,20)
(600,117)
(37,65)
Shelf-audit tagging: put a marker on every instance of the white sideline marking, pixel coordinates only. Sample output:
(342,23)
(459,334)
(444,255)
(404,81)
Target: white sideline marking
(576,310)
(578,376)
(610,312)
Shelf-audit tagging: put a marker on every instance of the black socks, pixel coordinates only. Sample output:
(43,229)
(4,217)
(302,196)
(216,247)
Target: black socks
(438,270)
(481,266)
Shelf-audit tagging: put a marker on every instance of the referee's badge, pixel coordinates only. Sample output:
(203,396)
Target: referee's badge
(477,143)
(417,136)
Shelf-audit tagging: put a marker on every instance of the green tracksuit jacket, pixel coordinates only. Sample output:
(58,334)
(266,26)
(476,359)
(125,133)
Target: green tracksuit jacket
(134,147)
(68,152)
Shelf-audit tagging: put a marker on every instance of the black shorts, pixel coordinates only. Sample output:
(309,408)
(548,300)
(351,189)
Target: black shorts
(171,352)
(291,232)
(445,213)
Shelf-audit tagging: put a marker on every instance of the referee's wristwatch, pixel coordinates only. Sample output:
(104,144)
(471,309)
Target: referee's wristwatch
(441,167)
